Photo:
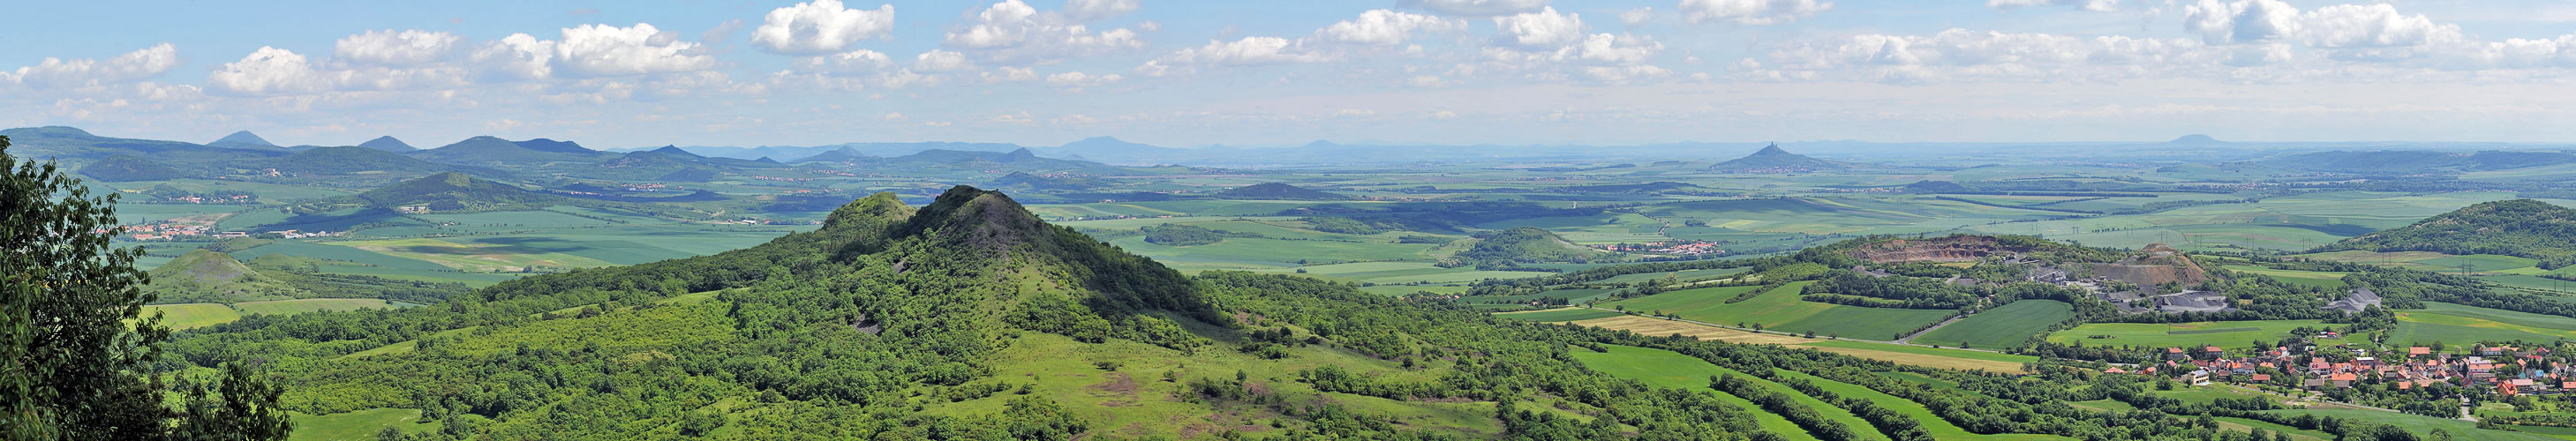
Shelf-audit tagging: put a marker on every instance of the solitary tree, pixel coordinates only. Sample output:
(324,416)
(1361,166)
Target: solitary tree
(75,354)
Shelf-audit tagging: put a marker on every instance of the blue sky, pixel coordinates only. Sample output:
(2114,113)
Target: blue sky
(1186,73)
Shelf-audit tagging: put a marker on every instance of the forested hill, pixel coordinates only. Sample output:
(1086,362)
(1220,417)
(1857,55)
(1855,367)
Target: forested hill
(2519,227)
(969,318)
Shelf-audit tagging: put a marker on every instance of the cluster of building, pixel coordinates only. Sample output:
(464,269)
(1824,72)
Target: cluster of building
(218,199)
(295,234)
(2508,370)
(149,232)
(1675,247)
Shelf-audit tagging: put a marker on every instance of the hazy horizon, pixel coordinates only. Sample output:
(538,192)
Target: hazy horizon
(1450,72)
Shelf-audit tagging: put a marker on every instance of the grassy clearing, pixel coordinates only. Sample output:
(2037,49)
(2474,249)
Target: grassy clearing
(2420,425)
(2323,279)
(356,426)
(1559,315)
(193,315)
(309,305)
(1780,309)
(2237,334)
(1133,401)
(2002,327)
(478,257)
(1939,428)
(2460,324)
(1912,355)
(1663,368)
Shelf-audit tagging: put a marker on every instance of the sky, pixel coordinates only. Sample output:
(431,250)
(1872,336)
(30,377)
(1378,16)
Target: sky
(1276,73)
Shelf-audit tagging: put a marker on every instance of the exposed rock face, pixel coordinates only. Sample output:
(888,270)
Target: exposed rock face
(2158,264)
(1946,249)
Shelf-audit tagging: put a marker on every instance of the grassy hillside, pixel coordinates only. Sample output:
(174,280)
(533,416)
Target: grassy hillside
(215,277)
(2519,227)
(1524,245)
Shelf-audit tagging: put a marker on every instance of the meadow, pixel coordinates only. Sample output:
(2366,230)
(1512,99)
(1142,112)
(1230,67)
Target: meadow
(1664,368)
(2232,335)
(197,315)
(1780,309)
(2003,327)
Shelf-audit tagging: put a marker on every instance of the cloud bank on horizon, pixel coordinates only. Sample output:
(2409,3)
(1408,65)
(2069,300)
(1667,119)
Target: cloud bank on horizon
(1414,71)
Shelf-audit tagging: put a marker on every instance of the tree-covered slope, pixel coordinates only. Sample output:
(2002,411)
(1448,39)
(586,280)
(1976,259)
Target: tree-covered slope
(125,168)
(453,191)
(2519,227)
(1523,245)
(204,276)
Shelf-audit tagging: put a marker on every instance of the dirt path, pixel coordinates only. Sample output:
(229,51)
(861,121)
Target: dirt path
(1909,338)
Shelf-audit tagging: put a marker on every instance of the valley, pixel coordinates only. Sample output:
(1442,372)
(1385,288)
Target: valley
(1116,301)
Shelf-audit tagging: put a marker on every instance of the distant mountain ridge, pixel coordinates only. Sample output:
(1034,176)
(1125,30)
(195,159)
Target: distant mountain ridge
(1280,191)
(1771,159)
(242,140)
(388,143)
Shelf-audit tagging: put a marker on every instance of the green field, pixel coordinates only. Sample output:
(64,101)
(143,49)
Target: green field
(2222,334)
(2002,327)
(361,425)
(2461,324)
(193,315)
(2420,425)
(312,305)
(1664,368)
(1937,427)
(473,257)
(2322,279)
(1559,315)
(1781,310)
(1919,350)
(1684,276)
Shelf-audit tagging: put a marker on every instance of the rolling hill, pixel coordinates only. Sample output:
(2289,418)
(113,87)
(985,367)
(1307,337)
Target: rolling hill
(388,143)
(348,160)
(1050,182)
(1279,191)
(2519,227)
(1516,246)
(491,150)
(127,168)
(206,276)
(453,191)
(242,140)
(1771,159)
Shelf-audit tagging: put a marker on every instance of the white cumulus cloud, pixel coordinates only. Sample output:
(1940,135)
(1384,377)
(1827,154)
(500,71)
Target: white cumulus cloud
(1383,27)
(1079,79)
(1545,28)
(389,48)
(1089,10)
(1246,51)
(603,50)
(1014,32)
(820,26)
(268,71)
(940,61)
(2241,21)
(1479,8)
(132,66)
(1752,12)
(2089,5)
